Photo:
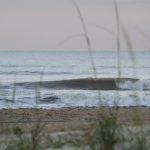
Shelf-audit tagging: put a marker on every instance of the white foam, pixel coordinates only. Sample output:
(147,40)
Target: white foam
(143,84)
(70,98)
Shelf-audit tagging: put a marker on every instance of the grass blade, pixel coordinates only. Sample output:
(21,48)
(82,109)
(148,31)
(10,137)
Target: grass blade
(118,37)
(129,44)
(67,39)
(88,41)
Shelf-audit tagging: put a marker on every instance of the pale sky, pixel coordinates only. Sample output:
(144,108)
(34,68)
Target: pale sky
(43,24)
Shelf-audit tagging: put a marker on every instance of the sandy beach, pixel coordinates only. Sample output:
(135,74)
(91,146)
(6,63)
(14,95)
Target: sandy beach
(65,119)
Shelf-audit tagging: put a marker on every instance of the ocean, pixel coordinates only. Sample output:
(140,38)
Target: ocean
(17,68)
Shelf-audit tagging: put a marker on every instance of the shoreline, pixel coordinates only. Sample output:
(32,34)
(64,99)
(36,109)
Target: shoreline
(69,118)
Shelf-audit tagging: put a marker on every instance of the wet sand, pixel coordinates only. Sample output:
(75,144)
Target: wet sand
(64,119)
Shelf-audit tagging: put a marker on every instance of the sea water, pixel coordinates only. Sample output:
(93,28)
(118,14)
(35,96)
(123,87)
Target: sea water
(33,66)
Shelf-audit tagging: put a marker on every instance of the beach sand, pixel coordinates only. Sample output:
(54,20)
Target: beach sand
(65,119)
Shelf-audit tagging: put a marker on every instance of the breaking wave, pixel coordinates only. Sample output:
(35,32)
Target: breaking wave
(93,84)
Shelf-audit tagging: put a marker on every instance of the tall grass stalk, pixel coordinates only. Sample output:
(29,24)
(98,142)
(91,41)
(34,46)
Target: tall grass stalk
(129,46)
(38,87)
(118,45)
(37,94)
(104,29)
(88,42)
(68,38)
(137,119)
(87,38)
(118,37)
(14,91)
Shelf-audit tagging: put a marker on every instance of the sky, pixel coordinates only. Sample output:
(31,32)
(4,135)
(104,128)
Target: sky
(55,24)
